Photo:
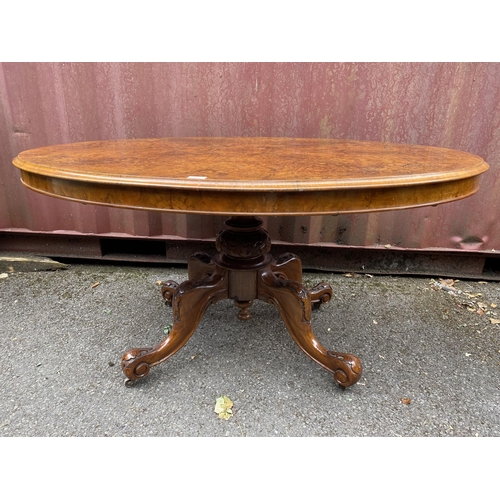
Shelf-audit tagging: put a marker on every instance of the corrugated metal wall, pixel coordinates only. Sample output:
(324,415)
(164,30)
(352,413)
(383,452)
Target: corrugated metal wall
(442,104)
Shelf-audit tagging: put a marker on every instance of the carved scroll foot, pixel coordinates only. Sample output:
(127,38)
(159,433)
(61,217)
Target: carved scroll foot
(293,301)
(320,294)
(168,289)
(190,301)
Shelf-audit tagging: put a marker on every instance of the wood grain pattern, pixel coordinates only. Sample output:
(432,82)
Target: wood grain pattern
(251,175)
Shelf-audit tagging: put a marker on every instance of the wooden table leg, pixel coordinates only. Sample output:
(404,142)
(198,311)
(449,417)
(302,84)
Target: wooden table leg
(189,301)
(294,303)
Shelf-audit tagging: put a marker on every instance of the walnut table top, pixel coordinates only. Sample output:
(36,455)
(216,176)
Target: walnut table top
(251,175)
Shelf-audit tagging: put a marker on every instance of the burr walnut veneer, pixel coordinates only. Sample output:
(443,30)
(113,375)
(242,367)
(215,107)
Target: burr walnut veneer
(244,178)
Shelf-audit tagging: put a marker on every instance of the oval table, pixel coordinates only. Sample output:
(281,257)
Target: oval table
(244,178)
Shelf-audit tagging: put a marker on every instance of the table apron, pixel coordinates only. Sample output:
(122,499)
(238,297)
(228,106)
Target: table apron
(247,202)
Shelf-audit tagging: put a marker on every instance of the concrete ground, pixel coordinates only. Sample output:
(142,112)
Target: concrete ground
(430,351)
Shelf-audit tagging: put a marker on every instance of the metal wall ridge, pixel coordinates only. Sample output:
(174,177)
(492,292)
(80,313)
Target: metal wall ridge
(452,105)
(334,258)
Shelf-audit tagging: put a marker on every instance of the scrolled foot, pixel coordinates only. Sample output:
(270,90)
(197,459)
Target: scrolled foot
(168,289)
(346,368)
(320,294)
(135,363)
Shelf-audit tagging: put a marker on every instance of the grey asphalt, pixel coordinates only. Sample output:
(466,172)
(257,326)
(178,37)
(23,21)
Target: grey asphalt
(63,333)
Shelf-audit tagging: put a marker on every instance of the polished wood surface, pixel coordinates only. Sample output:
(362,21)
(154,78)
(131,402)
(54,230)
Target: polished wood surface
(252,175)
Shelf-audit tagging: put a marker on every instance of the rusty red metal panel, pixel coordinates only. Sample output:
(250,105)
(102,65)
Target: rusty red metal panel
(454,105)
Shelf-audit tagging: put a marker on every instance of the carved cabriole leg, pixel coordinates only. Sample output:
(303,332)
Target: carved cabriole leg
(294,304)
(190,301)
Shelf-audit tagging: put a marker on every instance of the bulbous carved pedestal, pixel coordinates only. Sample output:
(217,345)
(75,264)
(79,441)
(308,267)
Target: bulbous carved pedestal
(243,270)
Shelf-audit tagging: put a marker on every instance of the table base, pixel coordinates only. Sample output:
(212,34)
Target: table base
(243,270)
